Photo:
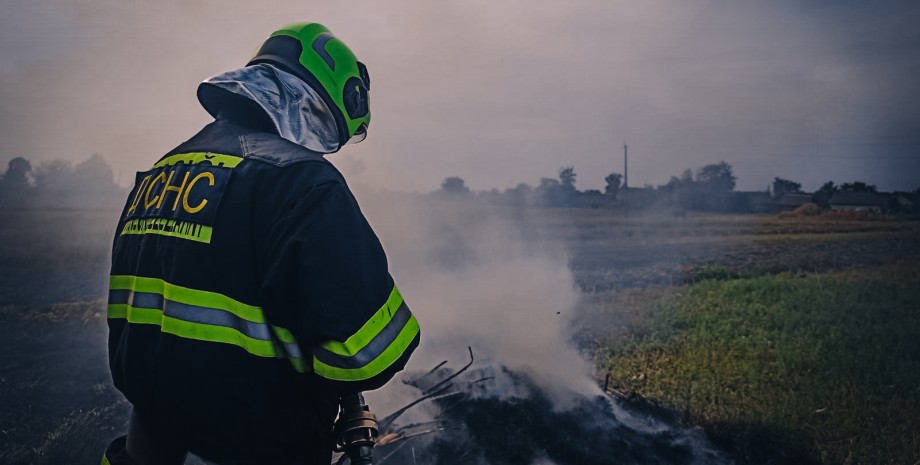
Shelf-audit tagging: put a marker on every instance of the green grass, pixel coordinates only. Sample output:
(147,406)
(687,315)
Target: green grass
(826,366)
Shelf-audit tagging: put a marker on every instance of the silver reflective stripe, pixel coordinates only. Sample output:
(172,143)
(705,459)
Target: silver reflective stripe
(119,296)
(216,317)
(292,350)
(191,313)
(373,349)
(147,300)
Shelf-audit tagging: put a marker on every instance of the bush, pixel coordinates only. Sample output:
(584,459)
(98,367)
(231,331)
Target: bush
(808,209)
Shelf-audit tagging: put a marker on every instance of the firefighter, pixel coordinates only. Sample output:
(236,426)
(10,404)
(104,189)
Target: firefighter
(248,293)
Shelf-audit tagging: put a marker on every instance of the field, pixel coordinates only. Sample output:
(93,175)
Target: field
(787,339)
(58,405)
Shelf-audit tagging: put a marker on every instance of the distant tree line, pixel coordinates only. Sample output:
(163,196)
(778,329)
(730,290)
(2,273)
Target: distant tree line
(691,190)
(59,184)
(708,188)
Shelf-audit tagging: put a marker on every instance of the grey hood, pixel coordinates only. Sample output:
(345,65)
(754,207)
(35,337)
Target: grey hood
(299,114)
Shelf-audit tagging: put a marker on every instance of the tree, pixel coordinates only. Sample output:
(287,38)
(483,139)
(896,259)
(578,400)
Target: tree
(784,186)
(94,175)
(614,183)
(857,186)
(519,193)
(682,191)
(55,177)
(823,195)
(717,177)
(550,191)
(567,179)
(548,185)
(17,175)
(454,185)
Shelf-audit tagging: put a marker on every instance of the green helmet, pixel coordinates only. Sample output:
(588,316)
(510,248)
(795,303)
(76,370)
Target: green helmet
(310,52)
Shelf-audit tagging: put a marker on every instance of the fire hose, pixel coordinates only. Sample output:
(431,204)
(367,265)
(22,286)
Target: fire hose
(355,431)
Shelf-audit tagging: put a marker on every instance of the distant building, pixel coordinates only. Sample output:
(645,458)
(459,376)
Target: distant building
(904,202)
(753,202)
(859,201)
(792,200)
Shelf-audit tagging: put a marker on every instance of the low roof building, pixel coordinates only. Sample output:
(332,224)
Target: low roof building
(859,201)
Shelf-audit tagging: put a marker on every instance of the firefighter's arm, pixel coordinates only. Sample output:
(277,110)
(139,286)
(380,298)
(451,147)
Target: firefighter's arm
(328,284)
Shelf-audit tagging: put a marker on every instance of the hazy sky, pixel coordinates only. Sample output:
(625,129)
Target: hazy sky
(498,92)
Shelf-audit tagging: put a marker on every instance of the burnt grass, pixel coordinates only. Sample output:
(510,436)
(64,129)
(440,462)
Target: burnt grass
(57,404)
(531,426)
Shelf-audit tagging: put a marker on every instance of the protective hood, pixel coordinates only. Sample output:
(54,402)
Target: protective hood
(299,114)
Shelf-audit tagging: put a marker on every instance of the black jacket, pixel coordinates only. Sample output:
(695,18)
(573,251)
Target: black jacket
(247,293)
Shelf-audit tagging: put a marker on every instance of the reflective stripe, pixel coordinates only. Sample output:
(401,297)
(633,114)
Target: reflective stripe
(179,311)
(167,227)
(146,300)
(370,329)
(119,296)
(291,349)
(373,348)
(381,363)
(209,316)
(216,317)
(186,296)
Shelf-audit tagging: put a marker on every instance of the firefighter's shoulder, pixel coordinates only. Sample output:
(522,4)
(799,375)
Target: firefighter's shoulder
(277,151)
(311,167)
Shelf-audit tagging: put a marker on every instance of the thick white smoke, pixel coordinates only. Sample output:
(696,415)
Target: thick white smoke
(475,278)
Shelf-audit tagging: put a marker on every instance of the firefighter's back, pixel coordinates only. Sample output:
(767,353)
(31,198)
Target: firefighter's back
(191,343)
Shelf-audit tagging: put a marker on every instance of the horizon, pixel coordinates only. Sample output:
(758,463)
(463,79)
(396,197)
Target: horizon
(117,178)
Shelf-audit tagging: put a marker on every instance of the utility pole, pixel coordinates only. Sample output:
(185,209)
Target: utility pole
(625,165)
(626,179)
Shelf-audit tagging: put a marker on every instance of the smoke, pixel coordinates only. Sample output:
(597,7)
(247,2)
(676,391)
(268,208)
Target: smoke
(476,279)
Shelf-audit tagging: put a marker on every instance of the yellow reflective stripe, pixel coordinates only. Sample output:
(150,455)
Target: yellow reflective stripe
(187,296)
(121,282)
(144,316)
(378,365)
(117,311)
(371,328)
(105,460)
(168,227)
(191,330)
(194,158)
(210,333)
(299,365)
(284,335)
